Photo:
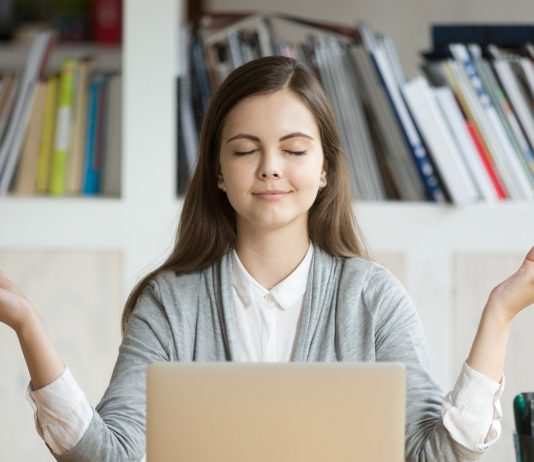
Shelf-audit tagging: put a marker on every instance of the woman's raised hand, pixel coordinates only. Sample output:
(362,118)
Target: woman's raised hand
(15,308)
(17,312)
(514,294)
(517,292)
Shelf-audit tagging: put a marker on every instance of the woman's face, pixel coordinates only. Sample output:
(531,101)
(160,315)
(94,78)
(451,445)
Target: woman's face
(271,160)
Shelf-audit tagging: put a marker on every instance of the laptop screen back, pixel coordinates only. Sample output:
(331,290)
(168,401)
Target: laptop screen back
(294,412)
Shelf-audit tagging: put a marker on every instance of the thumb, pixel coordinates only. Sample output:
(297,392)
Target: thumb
(7,284)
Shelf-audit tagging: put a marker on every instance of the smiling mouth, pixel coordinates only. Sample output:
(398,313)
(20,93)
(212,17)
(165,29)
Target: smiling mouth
(272,195)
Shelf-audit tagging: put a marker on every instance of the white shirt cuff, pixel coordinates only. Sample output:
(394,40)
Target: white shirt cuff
(61,412)
(472,411)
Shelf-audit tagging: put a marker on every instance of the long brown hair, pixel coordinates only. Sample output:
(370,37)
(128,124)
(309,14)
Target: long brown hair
(207,224)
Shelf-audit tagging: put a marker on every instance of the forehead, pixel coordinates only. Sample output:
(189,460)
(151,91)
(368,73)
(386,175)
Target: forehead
(275,113)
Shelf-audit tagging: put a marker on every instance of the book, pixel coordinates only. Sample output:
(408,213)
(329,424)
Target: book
(92,160)
(486,161)
(477,105)
(27,170)
(454,118)
(46,142)
(342,89)
(441,73)
(504,110)
(397,157)
(440,141)
(40,48)
(186,121)
(111,174)
(433,186)
(64,124)
(7,99)
(101,134)
(518,99)
(106,21)
(222,42)
(74,173)
(527,66)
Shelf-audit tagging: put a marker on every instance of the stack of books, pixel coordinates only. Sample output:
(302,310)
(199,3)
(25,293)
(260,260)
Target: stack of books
(60,132)
(482,109)
(410,140)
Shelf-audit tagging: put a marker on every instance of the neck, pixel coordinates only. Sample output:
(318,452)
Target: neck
(271,256)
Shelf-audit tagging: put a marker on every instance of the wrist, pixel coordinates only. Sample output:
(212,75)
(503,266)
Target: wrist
(497,315)
(28,322)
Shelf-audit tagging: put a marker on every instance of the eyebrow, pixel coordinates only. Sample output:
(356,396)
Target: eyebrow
(255,138)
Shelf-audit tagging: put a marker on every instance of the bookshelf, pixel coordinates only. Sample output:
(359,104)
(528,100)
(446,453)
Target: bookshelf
(109,57)
(423,242)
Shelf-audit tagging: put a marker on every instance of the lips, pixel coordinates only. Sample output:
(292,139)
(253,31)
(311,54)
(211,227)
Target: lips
(271,191)
(271,194)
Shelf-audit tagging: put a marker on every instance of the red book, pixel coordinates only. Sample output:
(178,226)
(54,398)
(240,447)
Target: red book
(106,21)
(486,161)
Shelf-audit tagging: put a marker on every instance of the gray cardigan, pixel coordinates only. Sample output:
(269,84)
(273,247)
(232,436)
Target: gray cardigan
(353,310)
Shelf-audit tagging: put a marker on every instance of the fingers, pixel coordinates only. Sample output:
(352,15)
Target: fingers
(7,284)
(530,255)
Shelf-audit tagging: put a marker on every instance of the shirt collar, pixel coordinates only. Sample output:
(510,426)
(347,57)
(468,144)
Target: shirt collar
(286,293)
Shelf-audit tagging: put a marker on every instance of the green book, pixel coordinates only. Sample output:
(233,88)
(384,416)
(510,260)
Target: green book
(64,120)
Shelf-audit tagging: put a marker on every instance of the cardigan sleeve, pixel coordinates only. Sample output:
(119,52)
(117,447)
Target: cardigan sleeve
(399,337)
(117,430)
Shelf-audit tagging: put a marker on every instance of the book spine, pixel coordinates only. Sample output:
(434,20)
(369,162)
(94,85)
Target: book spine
(90,176)
(486,161)
(27,170)
(75,167)
(503,151)
(424,108)
(425,168)
(46,146)
(63,128)
(107,21)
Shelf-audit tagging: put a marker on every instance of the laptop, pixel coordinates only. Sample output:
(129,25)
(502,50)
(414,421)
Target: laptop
(275,412)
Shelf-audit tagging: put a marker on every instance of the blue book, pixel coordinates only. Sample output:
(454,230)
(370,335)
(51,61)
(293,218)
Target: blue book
(91,176)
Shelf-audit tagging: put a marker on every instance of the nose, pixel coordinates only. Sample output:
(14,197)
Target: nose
(269,167)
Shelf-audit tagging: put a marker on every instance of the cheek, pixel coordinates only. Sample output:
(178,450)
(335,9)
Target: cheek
(237,180)
(307,175)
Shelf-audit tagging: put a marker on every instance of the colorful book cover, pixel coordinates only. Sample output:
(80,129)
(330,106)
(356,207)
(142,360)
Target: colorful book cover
(486,161)
(64,120)
(92,166)
(27,169)
(77,147)
(46,146)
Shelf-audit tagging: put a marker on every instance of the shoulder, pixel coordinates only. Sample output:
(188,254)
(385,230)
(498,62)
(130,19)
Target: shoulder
(373,284)
(367,272)
(170,287)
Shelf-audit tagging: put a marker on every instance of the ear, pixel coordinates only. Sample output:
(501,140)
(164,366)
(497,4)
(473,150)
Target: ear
(323,180)
(220,182)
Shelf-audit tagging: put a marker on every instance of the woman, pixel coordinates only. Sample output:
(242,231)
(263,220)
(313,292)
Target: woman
(268,266)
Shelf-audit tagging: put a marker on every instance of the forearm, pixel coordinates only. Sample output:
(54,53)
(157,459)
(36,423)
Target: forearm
(42,359)
(488,352)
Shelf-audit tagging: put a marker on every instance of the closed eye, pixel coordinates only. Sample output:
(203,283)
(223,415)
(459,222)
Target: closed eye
(244,153)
